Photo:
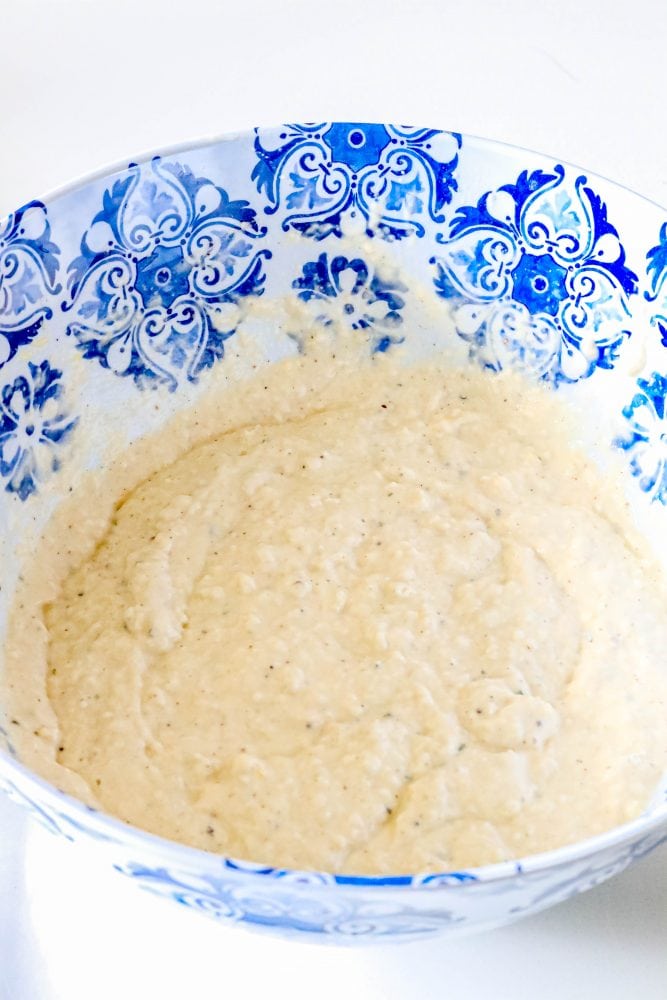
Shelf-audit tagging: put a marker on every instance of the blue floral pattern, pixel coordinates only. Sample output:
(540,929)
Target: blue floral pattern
(566,883)
(57,821)
(384,179)
(34,422)
(537,278)
(645,437)
(350,294)
(5,742)
(161,269)
(28,269)
(656,268)
(296,911)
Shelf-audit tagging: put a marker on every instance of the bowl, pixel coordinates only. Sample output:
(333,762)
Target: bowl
(119,297)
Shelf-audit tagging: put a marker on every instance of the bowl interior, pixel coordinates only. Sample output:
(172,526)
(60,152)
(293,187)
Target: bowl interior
(123,295)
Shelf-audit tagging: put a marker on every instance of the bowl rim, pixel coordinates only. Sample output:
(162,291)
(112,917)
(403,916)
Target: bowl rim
(216,138)
(113,830)
(106,827)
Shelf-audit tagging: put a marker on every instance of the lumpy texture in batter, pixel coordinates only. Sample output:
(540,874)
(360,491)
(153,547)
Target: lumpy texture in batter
(403,626)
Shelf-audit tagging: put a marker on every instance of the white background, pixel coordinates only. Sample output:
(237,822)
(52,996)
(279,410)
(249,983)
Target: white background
(86,83)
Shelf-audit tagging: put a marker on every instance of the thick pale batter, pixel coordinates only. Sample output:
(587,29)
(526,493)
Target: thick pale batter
(398,625)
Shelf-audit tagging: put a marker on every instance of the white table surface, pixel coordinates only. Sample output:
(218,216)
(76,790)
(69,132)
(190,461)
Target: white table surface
(87,82)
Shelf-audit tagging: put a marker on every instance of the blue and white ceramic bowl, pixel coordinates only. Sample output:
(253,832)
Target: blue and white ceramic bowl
(123,290)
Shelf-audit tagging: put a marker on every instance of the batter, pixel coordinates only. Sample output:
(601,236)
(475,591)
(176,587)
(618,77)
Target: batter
(383,622)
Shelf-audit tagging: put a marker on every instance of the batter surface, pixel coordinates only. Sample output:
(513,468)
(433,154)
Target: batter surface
(396,624)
